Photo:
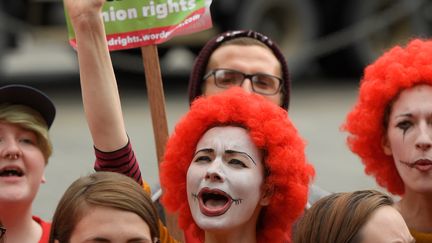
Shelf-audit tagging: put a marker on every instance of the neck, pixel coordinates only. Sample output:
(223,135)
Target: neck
(245,234)
(416,209)
(232,237)
(19,223)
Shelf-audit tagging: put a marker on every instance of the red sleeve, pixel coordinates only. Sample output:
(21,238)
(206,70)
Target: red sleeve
(46,227)
(122,161)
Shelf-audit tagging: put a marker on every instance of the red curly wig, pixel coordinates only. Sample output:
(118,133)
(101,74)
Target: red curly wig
(396,70)
(271,130)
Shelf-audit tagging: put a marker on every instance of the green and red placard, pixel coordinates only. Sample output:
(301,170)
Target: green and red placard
(136,23)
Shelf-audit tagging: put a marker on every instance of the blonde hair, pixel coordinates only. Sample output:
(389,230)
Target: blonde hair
(31,120)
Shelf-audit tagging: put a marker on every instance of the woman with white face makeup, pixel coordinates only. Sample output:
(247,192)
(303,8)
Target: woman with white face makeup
(390,128)
(235,170)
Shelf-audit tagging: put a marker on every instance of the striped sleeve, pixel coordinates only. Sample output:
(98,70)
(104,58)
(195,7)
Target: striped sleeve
(122,161)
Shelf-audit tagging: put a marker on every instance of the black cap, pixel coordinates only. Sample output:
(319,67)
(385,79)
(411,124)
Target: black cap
(31,97)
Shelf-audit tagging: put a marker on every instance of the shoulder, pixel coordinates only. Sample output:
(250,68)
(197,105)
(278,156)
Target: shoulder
(46,227)
(421,236)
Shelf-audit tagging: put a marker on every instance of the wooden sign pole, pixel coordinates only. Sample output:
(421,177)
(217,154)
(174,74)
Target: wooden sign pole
(160,125)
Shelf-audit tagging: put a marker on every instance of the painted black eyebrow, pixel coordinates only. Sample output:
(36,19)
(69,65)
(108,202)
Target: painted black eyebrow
(208,150)
(97,239)
(102,240)
(229,151)
(410,115)
(144,240)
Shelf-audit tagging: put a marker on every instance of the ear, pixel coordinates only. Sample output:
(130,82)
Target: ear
(267,194)
(385,145)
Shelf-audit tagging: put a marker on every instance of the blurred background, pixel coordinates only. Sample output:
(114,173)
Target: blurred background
(327,44)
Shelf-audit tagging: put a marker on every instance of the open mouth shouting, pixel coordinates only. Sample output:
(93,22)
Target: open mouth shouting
(214,202)
(11,171)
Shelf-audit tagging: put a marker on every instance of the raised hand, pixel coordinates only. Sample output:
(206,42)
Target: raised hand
(81,11)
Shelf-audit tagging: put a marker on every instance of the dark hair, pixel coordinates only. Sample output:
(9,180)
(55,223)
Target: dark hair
(339,217)
(107,189)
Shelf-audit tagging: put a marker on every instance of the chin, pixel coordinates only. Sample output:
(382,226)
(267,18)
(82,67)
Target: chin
(212,223)
(424,189)
(420,188)
(12,197)
(211,227)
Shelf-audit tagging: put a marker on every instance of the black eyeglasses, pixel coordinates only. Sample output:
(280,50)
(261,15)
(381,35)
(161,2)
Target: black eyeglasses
(262,83)
(2,231)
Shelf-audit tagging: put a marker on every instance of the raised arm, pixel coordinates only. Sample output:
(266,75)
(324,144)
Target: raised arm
(99,90)
(100,95)
(98,83)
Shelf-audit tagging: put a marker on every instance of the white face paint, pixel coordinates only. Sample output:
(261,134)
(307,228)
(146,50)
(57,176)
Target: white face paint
(225,180)
(409,137)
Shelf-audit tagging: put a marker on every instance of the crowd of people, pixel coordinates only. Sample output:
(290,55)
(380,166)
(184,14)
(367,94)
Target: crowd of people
(235,167)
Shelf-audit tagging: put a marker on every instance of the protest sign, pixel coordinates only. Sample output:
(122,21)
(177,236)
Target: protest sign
(136,23)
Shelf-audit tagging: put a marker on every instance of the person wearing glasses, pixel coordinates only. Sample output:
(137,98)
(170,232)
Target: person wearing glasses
(105,207)
(26,114)
(390,129)
(242,58)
